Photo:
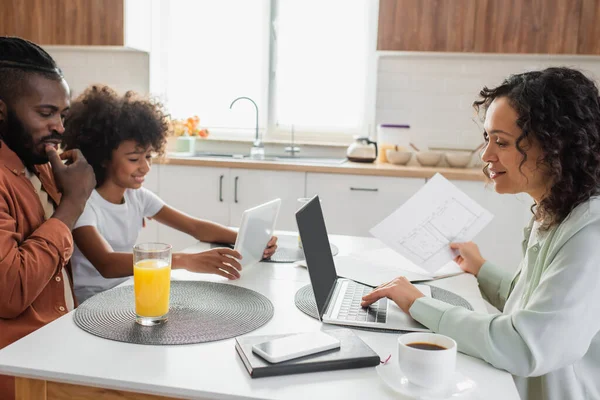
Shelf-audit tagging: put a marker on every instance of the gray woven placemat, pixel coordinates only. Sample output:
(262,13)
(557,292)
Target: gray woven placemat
(199,312)
(305,301)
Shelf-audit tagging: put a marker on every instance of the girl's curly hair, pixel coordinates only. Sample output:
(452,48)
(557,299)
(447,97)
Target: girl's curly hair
(100,120)
(560,109)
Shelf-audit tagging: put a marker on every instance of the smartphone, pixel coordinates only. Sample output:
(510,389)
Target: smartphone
(294,346)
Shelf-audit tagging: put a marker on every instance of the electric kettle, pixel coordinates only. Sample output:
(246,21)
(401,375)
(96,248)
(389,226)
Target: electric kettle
(362,150)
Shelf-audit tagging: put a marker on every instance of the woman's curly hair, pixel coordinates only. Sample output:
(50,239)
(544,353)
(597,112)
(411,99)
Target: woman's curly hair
(100,120)
(560,109)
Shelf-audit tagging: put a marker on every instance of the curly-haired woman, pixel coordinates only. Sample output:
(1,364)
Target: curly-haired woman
(118,135)
(542,131)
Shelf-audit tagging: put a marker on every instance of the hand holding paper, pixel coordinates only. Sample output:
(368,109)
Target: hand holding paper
(470,258)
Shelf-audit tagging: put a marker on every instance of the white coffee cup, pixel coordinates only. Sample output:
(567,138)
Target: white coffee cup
(427,368)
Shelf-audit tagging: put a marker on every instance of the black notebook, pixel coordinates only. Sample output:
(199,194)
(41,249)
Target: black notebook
(353,353)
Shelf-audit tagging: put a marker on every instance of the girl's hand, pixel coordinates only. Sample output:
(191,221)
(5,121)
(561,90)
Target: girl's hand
(220,261)
(469,258)
(271,248)
(400,291)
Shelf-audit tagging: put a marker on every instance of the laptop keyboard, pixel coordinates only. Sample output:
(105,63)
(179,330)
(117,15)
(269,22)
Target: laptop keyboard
(351,309)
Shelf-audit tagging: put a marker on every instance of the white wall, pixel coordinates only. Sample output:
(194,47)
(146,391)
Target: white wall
(118,67)
(433,92)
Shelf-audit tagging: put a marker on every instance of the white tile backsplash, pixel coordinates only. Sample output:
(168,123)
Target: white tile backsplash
(433,92)
(118,67)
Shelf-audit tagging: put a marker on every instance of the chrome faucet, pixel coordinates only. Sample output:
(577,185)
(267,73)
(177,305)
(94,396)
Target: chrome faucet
(292,149)
(257,141)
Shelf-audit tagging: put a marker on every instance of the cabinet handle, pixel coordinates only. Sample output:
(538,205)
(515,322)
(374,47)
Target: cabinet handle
(221,188)
(235,189)
(364,189)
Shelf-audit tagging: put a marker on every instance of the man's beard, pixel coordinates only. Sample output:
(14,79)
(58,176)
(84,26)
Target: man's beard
(21,142)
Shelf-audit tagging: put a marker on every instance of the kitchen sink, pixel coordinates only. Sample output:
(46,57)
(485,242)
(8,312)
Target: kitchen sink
(275,158)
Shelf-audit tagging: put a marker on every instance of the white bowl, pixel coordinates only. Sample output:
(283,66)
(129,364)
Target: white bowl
(459,159)
(398,157)
(429,158)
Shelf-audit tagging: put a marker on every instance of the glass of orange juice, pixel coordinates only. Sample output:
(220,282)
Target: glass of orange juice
(151,282)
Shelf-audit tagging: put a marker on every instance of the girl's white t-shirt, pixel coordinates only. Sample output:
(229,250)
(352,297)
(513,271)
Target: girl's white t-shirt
(119,225)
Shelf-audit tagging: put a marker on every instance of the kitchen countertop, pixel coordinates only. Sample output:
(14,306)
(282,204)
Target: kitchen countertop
(348,167)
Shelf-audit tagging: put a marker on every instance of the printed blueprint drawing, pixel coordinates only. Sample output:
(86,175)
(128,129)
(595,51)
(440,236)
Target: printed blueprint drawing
(435,234)
(423,227)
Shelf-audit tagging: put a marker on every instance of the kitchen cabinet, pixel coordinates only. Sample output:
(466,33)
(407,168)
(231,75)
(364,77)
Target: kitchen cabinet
(426,25)
(533,26)
(500,241)
(254,187)
(64,22)
(199,192)
(353,204)
(490,26)
(589,28)
(222,194)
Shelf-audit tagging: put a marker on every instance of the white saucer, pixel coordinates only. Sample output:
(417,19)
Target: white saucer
(398,382)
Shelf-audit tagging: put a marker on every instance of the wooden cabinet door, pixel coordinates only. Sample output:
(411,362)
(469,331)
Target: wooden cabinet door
(254,187)
(527,26)
(353,204)
(589,28)
(197,191)
(64,22)
(500,240)
(426,25)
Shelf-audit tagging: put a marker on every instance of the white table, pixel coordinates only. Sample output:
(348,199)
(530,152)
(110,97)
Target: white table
(61,361)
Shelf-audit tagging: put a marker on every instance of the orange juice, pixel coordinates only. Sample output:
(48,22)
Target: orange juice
(152,285)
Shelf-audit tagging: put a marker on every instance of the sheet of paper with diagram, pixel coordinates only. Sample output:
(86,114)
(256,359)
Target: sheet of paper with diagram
(425,225)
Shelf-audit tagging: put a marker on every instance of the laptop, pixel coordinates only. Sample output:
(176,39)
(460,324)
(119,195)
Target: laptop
(338,299)
(256,229)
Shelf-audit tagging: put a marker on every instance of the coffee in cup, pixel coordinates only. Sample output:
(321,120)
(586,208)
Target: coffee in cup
(426,346)
(427,359)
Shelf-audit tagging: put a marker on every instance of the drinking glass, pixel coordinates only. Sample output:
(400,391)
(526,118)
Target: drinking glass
(152,282)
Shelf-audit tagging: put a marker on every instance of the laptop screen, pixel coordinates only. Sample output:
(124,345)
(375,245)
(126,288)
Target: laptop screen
(317,251)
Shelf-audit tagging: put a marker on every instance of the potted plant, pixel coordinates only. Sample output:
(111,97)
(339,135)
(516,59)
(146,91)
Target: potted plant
(187,131)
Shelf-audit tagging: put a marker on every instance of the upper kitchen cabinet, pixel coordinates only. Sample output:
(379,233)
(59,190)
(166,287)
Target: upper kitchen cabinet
(64,22)
(528,26)
(490,26)
(426,25)
(589,28)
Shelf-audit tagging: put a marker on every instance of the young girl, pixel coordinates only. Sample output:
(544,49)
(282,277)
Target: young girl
(118,136)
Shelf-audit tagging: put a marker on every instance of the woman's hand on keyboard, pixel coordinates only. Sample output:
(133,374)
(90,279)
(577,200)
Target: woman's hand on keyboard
(400,291)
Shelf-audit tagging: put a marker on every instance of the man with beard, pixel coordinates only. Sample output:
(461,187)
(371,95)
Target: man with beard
(35,219)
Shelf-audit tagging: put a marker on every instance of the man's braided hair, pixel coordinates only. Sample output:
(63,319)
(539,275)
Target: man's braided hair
(18,59)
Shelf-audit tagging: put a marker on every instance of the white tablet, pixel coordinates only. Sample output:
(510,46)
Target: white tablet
(256,229)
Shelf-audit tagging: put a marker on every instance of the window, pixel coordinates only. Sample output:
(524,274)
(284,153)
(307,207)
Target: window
(303,62)
(321,66)
(213,52)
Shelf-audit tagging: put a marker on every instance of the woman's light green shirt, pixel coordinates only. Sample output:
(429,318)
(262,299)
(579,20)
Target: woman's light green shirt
(548,335)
